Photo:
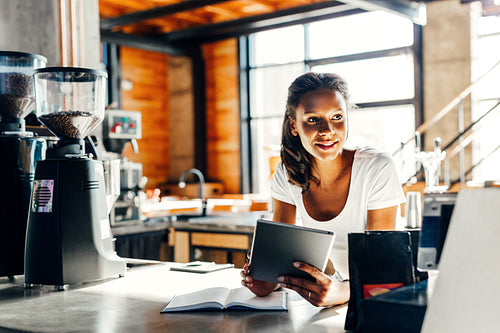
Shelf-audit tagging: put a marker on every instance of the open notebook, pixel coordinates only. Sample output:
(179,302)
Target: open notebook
(219,298)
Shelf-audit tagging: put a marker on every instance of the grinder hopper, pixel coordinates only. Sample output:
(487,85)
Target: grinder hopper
(70,103)
(17,96)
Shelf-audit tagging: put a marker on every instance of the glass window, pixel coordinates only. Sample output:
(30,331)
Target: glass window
(376,79)
(486,144)
(488,25)
(350,35)
(488,56)
(278,46)
(266,140)
(383,128)
(485,95)
(269,88)
(277,57)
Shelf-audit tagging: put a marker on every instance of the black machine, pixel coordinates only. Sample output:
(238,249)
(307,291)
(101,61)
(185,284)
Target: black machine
(20,150)
(68,237)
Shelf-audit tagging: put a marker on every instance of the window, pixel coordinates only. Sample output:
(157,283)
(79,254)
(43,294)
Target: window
(374,51)
(486,149)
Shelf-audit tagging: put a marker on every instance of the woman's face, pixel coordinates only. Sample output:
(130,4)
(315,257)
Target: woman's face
(321,123)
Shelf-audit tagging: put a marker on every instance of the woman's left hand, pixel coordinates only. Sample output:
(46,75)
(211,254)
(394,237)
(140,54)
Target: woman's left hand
(325,291)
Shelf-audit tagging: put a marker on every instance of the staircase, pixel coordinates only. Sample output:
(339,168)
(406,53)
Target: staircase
(466,136)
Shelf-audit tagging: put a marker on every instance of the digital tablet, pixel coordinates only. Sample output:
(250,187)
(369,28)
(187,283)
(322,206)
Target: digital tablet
(276,246)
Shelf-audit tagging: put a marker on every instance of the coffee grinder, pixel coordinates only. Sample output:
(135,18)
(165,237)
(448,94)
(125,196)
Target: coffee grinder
(20,150)
(68,238)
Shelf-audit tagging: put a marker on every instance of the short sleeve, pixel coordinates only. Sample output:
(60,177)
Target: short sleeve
(385,189)
(280,187)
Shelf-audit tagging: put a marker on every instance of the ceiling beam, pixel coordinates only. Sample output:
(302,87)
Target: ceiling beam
(141,42)
(413,10)
(277,19)
(135,17)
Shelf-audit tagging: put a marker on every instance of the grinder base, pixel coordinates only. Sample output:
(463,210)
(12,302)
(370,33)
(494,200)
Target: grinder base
(68,237)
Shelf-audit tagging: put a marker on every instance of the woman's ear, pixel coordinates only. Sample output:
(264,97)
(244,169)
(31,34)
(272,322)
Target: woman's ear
(293,130)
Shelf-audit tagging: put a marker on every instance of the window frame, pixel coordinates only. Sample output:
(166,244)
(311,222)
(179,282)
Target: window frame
(247,173)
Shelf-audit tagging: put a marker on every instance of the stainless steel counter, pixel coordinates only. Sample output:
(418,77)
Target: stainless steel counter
(133,304)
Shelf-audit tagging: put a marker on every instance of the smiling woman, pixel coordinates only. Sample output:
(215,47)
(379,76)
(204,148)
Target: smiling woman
(331,187)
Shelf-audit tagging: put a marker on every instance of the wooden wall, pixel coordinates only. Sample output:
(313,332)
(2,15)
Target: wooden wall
(223,117)
(162,91)
(148,73)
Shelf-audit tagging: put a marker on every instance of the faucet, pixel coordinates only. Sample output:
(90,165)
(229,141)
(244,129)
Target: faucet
(431,162)
(201,179)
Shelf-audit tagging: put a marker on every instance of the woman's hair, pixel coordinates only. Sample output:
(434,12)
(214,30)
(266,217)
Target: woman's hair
(295,158)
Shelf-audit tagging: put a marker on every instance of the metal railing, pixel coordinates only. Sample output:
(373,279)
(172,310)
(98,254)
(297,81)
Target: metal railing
(464,137)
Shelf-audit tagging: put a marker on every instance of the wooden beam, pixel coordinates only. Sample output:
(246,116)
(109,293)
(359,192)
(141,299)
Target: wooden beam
(141,42)
(281,18)
(182,6)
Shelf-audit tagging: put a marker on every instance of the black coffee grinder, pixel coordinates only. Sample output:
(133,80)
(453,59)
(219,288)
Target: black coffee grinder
(69,238)
(19,151)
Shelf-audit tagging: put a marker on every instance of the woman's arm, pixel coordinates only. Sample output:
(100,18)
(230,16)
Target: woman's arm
(382,219)
(283,212)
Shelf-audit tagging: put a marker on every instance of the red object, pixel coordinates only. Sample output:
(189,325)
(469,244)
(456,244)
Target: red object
(370,290)
(115,127)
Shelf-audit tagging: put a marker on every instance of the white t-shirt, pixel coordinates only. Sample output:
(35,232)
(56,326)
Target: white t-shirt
(374,185)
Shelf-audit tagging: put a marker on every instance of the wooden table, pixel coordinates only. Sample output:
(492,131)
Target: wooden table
(133,304)
(231,233)
(227,233)
(186,237)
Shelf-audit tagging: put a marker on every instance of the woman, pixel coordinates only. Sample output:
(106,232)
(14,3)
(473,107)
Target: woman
(331,187)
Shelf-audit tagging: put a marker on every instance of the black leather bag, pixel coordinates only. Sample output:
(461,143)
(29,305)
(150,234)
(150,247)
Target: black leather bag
(375,258)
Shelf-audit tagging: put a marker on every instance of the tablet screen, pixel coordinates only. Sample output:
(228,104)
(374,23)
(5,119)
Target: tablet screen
(277,245)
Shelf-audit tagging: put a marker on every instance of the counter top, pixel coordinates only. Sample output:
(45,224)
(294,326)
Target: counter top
(240,222)
(133,304)
(140,227)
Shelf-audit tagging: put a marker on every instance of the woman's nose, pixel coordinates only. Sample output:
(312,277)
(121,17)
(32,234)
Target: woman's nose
(326,128)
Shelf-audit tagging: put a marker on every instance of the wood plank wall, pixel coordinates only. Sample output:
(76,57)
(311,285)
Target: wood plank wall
(148,73)
(223,117)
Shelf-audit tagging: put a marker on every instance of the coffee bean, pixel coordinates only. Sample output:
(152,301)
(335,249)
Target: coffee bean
(16,95)
(69,124)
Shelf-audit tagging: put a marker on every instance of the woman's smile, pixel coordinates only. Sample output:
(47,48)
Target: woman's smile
(326,145)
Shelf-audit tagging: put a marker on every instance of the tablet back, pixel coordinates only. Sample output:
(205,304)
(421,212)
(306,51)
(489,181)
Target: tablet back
(277,245)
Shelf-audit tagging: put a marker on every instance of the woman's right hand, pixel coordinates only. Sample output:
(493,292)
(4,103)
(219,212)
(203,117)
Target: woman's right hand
(258,287)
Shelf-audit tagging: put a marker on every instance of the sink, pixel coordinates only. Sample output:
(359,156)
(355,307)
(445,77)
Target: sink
(248,218)
(219,211)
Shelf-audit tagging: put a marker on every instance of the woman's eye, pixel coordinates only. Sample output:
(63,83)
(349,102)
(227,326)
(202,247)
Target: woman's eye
(337,117)
(312,120)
